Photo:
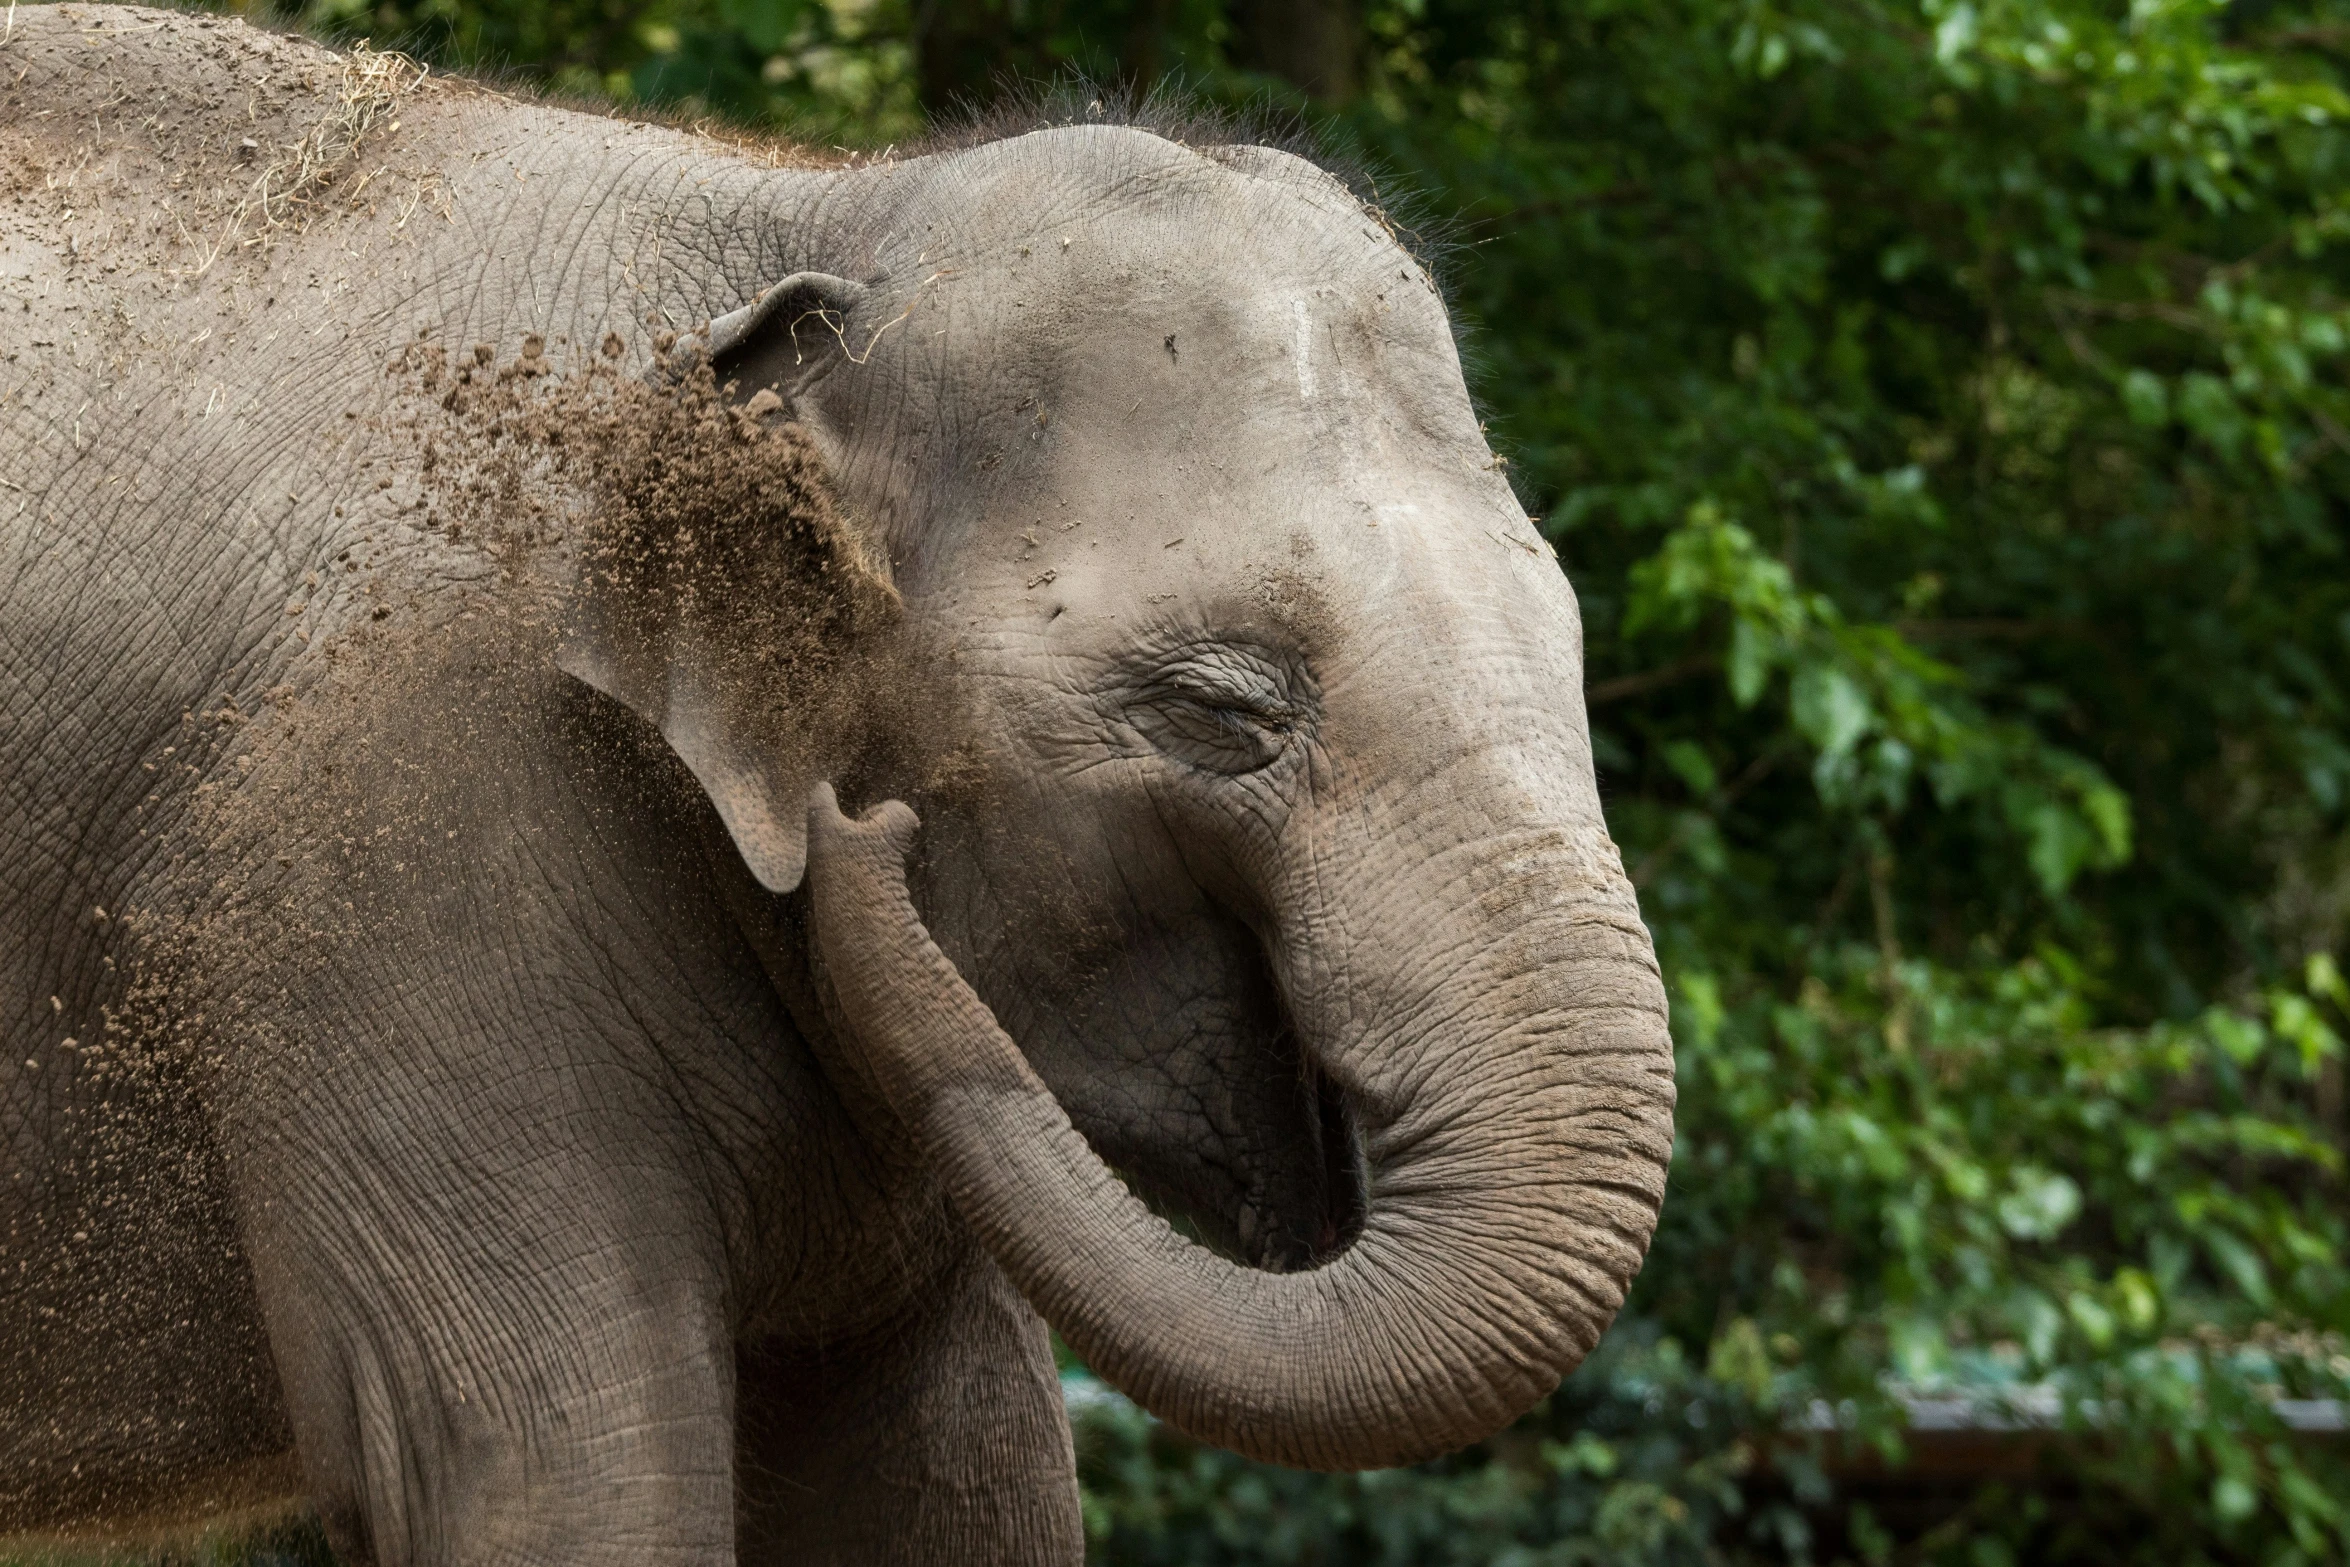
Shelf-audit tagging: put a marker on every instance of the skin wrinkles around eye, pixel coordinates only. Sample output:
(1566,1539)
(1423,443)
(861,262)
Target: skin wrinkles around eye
(1224,707)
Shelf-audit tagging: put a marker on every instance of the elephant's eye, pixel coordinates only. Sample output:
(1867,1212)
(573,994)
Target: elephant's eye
(1213,733)
(1226,715)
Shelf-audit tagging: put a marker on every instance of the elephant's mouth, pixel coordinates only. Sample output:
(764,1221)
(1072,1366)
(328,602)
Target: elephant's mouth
(1346,1171)
(1297,1211)
(1339,1195)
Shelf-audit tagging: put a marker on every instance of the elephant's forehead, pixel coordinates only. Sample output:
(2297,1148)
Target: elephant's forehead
(1038,246)
(1162,370)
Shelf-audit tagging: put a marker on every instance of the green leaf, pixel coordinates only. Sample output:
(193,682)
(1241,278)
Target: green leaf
(1689,762)
(2146,398)
(1750,660)
(2241,1265)
(2323,977)
(1830,709)
(1739,1359)
(2039,1203)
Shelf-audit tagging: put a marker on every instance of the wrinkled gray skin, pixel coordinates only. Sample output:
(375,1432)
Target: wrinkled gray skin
(554,1189)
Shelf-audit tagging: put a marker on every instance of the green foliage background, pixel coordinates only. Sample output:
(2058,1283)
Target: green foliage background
(1941,408)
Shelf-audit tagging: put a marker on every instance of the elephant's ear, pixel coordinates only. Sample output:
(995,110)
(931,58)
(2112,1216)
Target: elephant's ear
(794,329)
(721,594)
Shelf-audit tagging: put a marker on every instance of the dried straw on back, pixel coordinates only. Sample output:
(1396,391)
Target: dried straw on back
(373,82)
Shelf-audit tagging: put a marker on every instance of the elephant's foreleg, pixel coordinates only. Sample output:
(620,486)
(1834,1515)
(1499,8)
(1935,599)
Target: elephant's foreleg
(942,1443)
(498,1321)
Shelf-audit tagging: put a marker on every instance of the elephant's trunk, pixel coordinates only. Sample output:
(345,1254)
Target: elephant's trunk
(1517,1123)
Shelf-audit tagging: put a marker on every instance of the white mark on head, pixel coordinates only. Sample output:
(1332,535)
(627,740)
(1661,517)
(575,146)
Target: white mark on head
(1304,331)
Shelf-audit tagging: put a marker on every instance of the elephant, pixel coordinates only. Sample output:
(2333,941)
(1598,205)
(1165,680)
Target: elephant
(661,794)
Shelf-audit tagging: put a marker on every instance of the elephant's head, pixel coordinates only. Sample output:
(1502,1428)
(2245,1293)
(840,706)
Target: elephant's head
(1284,865)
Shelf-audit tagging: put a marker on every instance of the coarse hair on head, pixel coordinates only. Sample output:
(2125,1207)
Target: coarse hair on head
(1175,109)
